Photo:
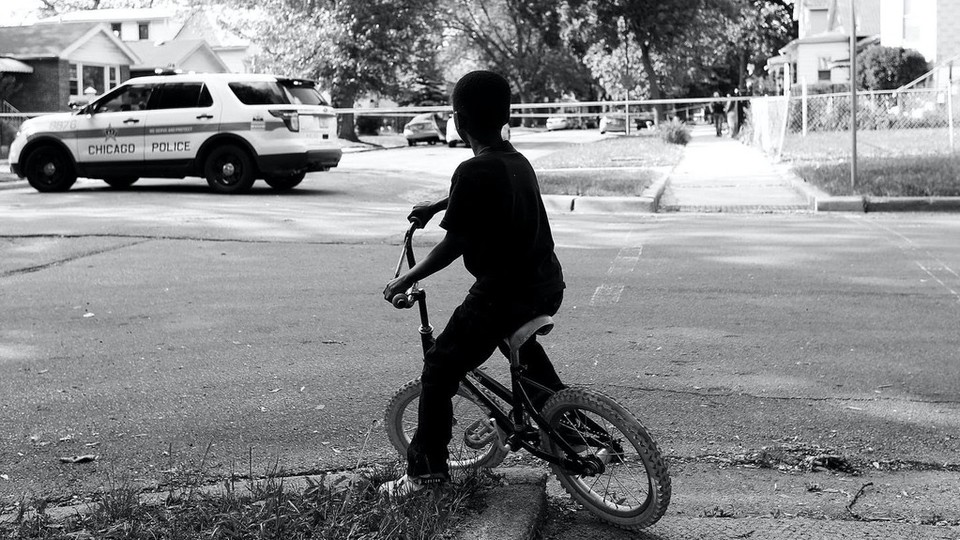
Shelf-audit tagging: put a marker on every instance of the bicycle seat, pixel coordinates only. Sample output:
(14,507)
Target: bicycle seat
(540,326)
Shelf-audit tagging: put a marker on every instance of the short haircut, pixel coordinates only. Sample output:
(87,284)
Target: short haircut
(484,96)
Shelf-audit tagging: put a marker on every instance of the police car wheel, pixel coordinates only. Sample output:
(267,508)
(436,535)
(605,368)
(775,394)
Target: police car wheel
(121,181)
(229,169)
(48,169)
(283,183)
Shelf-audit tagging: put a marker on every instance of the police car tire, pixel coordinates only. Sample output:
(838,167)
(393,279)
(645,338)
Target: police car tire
(283,183)
(121,182)
(244,172)
(64,175)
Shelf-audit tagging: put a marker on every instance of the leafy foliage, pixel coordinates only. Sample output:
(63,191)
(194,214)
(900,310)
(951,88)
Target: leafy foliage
(887,68)
(521,39)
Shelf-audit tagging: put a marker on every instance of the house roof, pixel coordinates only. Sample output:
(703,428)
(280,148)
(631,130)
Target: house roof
(42,40)
(112,15)
(171,53)
(54,40)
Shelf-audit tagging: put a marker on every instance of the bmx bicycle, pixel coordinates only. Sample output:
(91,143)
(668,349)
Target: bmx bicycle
(601,454)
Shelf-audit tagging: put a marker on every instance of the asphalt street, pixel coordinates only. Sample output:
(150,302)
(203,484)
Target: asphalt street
(164,326)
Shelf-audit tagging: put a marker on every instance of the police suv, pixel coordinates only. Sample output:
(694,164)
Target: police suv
(231,129)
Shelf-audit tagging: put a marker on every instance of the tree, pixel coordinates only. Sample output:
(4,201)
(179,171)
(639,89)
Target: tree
(888,68)
(354,47)
(521,39)
(759,30)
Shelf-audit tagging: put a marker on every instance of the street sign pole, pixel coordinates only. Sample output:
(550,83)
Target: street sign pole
(853,94)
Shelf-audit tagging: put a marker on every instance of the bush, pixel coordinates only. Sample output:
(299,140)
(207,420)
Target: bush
(675,132)
(368,125)
(888,68)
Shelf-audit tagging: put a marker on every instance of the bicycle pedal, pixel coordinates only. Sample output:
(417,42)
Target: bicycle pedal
(480,433)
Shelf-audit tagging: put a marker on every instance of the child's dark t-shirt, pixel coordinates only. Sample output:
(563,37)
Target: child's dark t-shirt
(495,204)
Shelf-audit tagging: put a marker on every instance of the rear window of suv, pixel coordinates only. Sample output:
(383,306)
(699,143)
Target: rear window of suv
(287,92)
(259,93)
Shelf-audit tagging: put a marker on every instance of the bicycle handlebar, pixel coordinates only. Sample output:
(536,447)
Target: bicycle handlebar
(404,301)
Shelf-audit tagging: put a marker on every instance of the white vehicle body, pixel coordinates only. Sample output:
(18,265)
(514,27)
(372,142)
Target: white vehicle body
(229,128)
(453,137)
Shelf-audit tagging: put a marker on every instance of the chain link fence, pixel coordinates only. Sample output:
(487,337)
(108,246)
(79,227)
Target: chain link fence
(889,124)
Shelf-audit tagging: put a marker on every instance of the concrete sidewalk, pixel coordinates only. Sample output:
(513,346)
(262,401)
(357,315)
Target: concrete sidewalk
(720,174)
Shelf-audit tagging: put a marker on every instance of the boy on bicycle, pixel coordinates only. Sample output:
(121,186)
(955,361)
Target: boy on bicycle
(496,220)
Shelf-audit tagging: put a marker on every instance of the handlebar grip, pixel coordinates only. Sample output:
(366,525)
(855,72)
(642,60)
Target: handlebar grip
(403,301)
(417,223)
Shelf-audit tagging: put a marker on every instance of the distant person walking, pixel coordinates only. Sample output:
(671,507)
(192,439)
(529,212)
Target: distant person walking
(716,111)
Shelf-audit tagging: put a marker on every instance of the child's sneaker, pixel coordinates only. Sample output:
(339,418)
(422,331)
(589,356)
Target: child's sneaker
(407,485)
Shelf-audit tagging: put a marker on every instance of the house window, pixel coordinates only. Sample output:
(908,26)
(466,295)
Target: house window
(144,30)
(100,78)
(116,28)
(823,69)
(74,79)
(817,21)
(912,22)
(113,72)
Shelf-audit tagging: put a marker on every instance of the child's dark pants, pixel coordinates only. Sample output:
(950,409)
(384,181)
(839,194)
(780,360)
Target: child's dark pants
(477,327)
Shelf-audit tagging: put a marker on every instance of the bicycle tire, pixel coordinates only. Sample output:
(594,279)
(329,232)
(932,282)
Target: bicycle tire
(401,422)
(627,500)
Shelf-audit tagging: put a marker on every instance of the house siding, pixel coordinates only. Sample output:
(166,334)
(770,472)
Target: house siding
(47,89)
(948,30)
(99,50)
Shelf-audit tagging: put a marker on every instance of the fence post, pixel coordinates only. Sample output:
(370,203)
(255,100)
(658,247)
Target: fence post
(803,109)
(950,103)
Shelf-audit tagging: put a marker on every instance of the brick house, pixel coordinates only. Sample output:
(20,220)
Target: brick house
(70,61)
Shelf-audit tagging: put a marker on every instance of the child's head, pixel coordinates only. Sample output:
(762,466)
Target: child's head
(482,100)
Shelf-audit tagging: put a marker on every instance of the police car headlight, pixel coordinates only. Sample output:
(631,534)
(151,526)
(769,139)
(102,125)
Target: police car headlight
(291,119)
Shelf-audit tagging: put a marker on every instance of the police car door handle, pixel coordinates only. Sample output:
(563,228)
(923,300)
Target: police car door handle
(132,121)
(204,117)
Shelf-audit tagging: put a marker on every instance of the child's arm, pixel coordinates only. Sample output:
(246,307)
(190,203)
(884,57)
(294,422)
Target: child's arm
(447,251)
(423,211)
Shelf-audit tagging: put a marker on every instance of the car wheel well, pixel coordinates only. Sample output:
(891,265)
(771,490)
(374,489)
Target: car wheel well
(214,142)
(33,145)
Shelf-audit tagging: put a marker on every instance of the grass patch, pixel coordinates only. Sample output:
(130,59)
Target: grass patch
(644,150)
(269,509)
(622,166)
(826,146)
(912,176)
(605,183)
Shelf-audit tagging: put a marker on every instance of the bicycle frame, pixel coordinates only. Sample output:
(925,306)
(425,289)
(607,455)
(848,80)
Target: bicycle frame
(520,434)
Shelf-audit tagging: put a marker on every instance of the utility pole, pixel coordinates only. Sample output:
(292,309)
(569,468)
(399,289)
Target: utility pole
(853,94)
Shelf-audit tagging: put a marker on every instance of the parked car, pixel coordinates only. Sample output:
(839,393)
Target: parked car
(231,129)
(610,123)
(555,123)
(453,137)
(423,128)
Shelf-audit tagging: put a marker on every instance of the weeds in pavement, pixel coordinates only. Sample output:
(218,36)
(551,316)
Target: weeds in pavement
(327,508)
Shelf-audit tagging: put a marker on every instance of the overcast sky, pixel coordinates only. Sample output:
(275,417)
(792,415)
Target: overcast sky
(15,12)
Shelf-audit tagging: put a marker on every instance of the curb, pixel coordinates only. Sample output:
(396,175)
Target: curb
(821,201)
(647,203)
(512,511)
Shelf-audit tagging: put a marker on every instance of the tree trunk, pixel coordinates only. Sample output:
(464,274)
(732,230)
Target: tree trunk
(654,81)
(345,97)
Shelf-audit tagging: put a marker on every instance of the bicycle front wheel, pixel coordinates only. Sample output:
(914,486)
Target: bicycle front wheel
(475,443)
(633,489)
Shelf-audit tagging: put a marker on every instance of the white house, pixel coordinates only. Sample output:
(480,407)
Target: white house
(821,53)
(128,24)
(931,27)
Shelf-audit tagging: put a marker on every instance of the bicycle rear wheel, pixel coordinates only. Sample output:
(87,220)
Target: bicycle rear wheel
(633,490)
(475,443)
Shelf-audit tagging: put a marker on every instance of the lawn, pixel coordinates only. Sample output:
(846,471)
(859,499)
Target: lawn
(621,166)
(891,163)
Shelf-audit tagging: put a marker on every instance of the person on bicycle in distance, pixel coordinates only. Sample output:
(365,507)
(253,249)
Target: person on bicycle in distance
(496,220)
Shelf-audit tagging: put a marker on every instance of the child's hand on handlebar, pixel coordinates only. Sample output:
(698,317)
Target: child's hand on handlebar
(421,213)
(396,286)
